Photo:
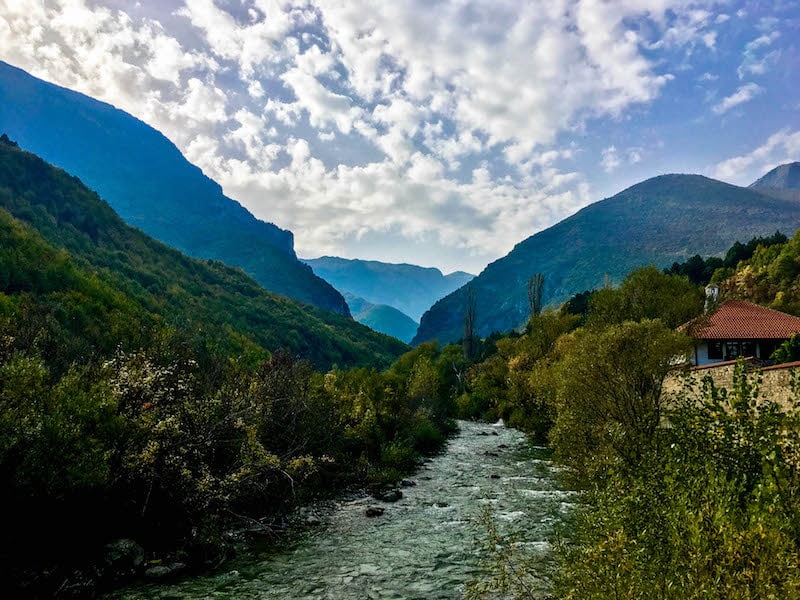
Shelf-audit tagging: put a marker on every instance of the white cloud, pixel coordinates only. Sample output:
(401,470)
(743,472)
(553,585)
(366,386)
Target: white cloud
(781,147)
(744,94)
(610,161)
(457,108)
(754,62)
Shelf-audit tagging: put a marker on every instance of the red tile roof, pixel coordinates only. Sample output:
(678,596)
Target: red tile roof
(739,320)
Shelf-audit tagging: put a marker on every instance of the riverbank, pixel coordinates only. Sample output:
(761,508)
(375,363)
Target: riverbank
(423,545)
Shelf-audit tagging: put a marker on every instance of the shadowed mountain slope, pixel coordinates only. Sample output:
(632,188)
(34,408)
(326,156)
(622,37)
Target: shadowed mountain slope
(150,184)
(68,257)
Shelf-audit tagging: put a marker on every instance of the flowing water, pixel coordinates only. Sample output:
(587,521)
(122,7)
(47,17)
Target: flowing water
(423,546)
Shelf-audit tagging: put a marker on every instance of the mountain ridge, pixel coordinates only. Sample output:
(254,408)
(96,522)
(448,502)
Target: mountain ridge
(781,182)
(660,220)
(126,270)
(409,288)
(151,185)
(382,318)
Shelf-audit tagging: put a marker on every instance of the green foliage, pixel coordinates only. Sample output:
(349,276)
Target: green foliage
(646,293)
(509,572)
(788,351)
(769,277)
(712,514)
(609,403)
(69,259)
(701,272)
(146,394)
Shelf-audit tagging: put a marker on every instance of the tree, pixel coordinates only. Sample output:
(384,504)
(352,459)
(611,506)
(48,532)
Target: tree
(535,289)
(647,293)
(468,340)
(609,401)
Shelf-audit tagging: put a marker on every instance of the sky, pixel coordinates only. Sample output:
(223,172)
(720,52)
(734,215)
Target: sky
(433,132)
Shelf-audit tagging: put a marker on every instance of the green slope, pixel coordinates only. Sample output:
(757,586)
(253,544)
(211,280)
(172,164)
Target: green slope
(658,221)
(382,318)
(68,257)
(150,184)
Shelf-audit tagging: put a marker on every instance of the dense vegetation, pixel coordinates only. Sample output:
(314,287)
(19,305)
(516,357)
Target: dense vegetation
(701,271)
(769,277)
(146,395)
(705,507)
(144,177)
(658,221)
(61,231)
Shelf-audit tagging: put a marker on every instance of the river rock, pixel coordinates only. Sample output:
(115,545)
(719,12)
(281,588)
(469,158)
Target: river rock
(123,556)
(374,511)
(407,483)
(494,476)
(495,433)
(502,446)
(313,521)
(391,496)
(163,571)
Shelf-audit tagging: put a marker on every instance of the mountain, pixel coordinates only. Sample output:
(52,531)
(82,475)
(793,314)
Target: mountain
(149,183)
(383,318)
(781,182)
(781,177)
(69,263)
(658,221)
(408,288)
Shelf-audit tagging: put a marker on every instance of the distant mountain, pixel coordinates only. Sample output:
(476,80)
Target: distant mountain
(658,221)
(149,183)
(73,268)
(782,177)
(408,288)
(781,182)
(382,318)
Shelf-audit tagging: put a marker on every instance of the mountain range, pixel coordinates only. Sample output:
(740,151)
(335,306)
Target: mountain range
(144,177)
(150,184)
(69,266)
(382,318)
(408,288)
(657,221)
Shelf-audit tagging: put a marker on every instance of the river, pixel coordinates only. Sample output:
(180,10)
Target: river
(423,546)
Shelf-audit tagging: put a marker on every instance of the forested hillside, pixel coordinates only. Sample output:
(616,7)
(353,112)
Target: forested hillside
(130,280)
(149,183)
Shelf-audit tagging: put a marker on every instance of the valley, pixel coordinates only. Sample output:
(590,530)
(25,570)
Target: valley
(343,300)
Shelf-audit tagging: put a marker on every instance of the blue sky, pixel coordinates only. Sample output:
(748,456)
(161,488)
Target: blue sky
(434,132)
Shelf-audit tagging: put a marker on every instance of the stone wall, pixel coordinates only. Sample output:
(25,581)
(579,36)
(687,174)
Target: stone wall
(775,381)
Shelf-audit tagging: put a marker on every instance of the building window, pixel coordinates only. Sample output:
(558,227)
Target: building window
(748,349)
(714,350)
(734,350)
